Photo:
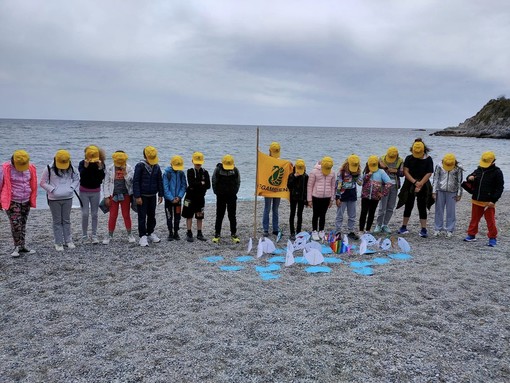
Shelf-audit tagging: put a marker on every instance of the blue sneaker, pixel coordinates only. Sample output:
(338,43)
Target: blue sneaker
(492,242)
(470,238)
(423,233)
(403,230)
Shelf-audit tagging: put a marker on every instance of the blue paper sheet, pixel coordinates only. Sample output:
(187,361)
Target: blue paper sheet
(268,276)
(360,264)
(265,269)
(277,251)
(332,260)
(363,270)
(326,250)
(231,268)
(300,260)
(214,258)
(318,269)
(245,258)
(380,261)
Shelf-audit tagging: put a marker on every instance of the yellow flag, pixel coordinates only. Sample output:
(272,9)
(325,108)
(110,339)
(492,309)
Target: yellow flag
(272,176)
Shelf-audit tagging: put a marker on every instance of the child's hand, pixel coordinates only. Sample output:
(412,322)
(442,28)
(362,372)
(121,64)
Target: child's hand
(338,203)
(433,196)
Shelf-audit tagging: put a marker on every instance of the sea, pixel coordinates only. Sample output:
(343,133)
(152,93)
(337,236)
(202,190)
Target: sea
(42,138)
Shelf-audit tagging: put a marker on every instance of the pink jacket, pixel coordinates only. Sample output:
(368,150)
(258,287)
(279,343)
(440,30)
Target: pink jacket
(321,186)
(18,186)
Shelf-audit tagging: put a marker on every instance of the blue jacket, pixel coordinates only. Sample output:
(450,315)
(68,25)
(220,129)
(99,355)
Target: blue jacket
(147,180)
(174,183)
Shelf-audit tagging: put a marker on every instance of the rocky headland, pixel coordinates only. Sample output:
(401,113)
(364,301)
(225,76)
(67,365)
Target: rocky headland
(492,121)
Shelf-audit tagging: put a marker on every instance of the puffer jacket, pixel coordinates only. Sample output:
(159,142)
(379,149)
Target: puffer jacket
(376,185)
(488,184)
(174,183)
(109,181)
(62,185)
(319,185)
(17,186)
(147,180)
(447,181)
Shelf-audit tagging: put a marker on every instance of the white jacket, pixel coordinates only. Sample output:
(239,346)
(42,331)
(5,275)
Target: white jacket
(60,187)
(109,180)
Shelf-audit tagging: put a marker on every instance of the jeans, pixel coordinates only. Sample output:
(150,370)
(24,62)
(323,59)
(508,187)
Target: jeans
(275,203)
(387,206)
(350,206)
(147,215)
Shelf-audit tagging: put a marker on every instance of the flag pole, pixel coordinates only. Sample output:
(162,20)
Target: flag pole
(256,187)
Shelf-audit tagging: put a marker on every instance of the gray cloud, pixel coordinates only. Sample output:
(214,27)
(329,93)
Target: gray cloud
(370,63)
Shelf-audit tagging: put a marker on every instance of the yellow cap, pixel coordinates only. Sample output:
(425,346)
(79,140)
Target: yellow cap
(449,162)
(373,163)
(391,154)
(21,160)
(92,153)
(62,159)
(177,163)
(274,149)
(197,158)
(326,165)
(353,161)
(300,167)
(487,159)
(151,155)
(418,149)
(119,158)
(228,162)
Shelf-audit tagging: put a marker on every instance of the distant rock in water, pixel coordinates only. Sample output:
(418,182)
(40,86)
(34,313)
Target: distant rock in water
(492,121)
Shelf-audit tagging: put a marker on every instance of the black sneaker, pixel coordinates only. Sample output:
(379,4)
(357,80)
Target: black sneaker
(201,237)
(170,237)
(275,232)
(176,236)
(292,236)
(189,237)
(266,234)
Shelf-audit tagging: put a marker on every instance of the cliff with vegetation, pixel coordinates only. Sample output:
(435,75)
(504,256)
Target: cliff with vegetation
(492,121)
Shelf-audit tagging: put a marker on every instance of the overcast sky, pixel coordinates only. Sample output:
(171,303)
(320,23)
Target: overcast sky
(366,63)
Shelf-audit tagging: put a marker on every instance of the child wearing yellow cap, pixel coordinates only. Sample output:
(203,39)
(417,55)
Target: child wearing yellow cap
(174,186)
(148,193)
(347,179)
(60,180)
(226,181)
(271,203)
(118,190)
(297,184)
(393,165)
(488,185)
(92,173)
(446,191)
(18,193)
(418,168)
(376,184)
(194,202)
(320,194)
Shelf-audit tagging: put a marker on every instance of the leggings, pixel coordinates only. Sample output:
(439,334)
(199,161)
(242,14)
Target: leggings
(421,200)
(300,206)
(368,207)
(92,199)
(125,205)
(18,215)
(320,208)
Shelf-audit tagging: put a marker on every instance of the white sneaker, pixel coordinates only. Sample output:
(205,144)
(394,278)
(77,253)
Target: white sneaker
(71,245)
(377,229)
(106,241)
(85,238)
(131,239)
(15,252)
(143,241)
(436,233)
(154,238)
(321,234)
(95,240)
(449,234)
(59,247)
(315,235)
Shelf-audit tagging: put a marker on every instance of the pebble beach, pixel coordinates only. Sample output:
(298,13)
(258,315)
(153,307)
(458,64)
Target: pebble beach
(123,313)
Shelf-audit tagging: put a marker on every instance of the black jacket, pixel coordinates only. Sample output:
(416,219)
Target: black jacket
(297,186)
(226,182)
(195,187)
(488,184)
(91,176)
